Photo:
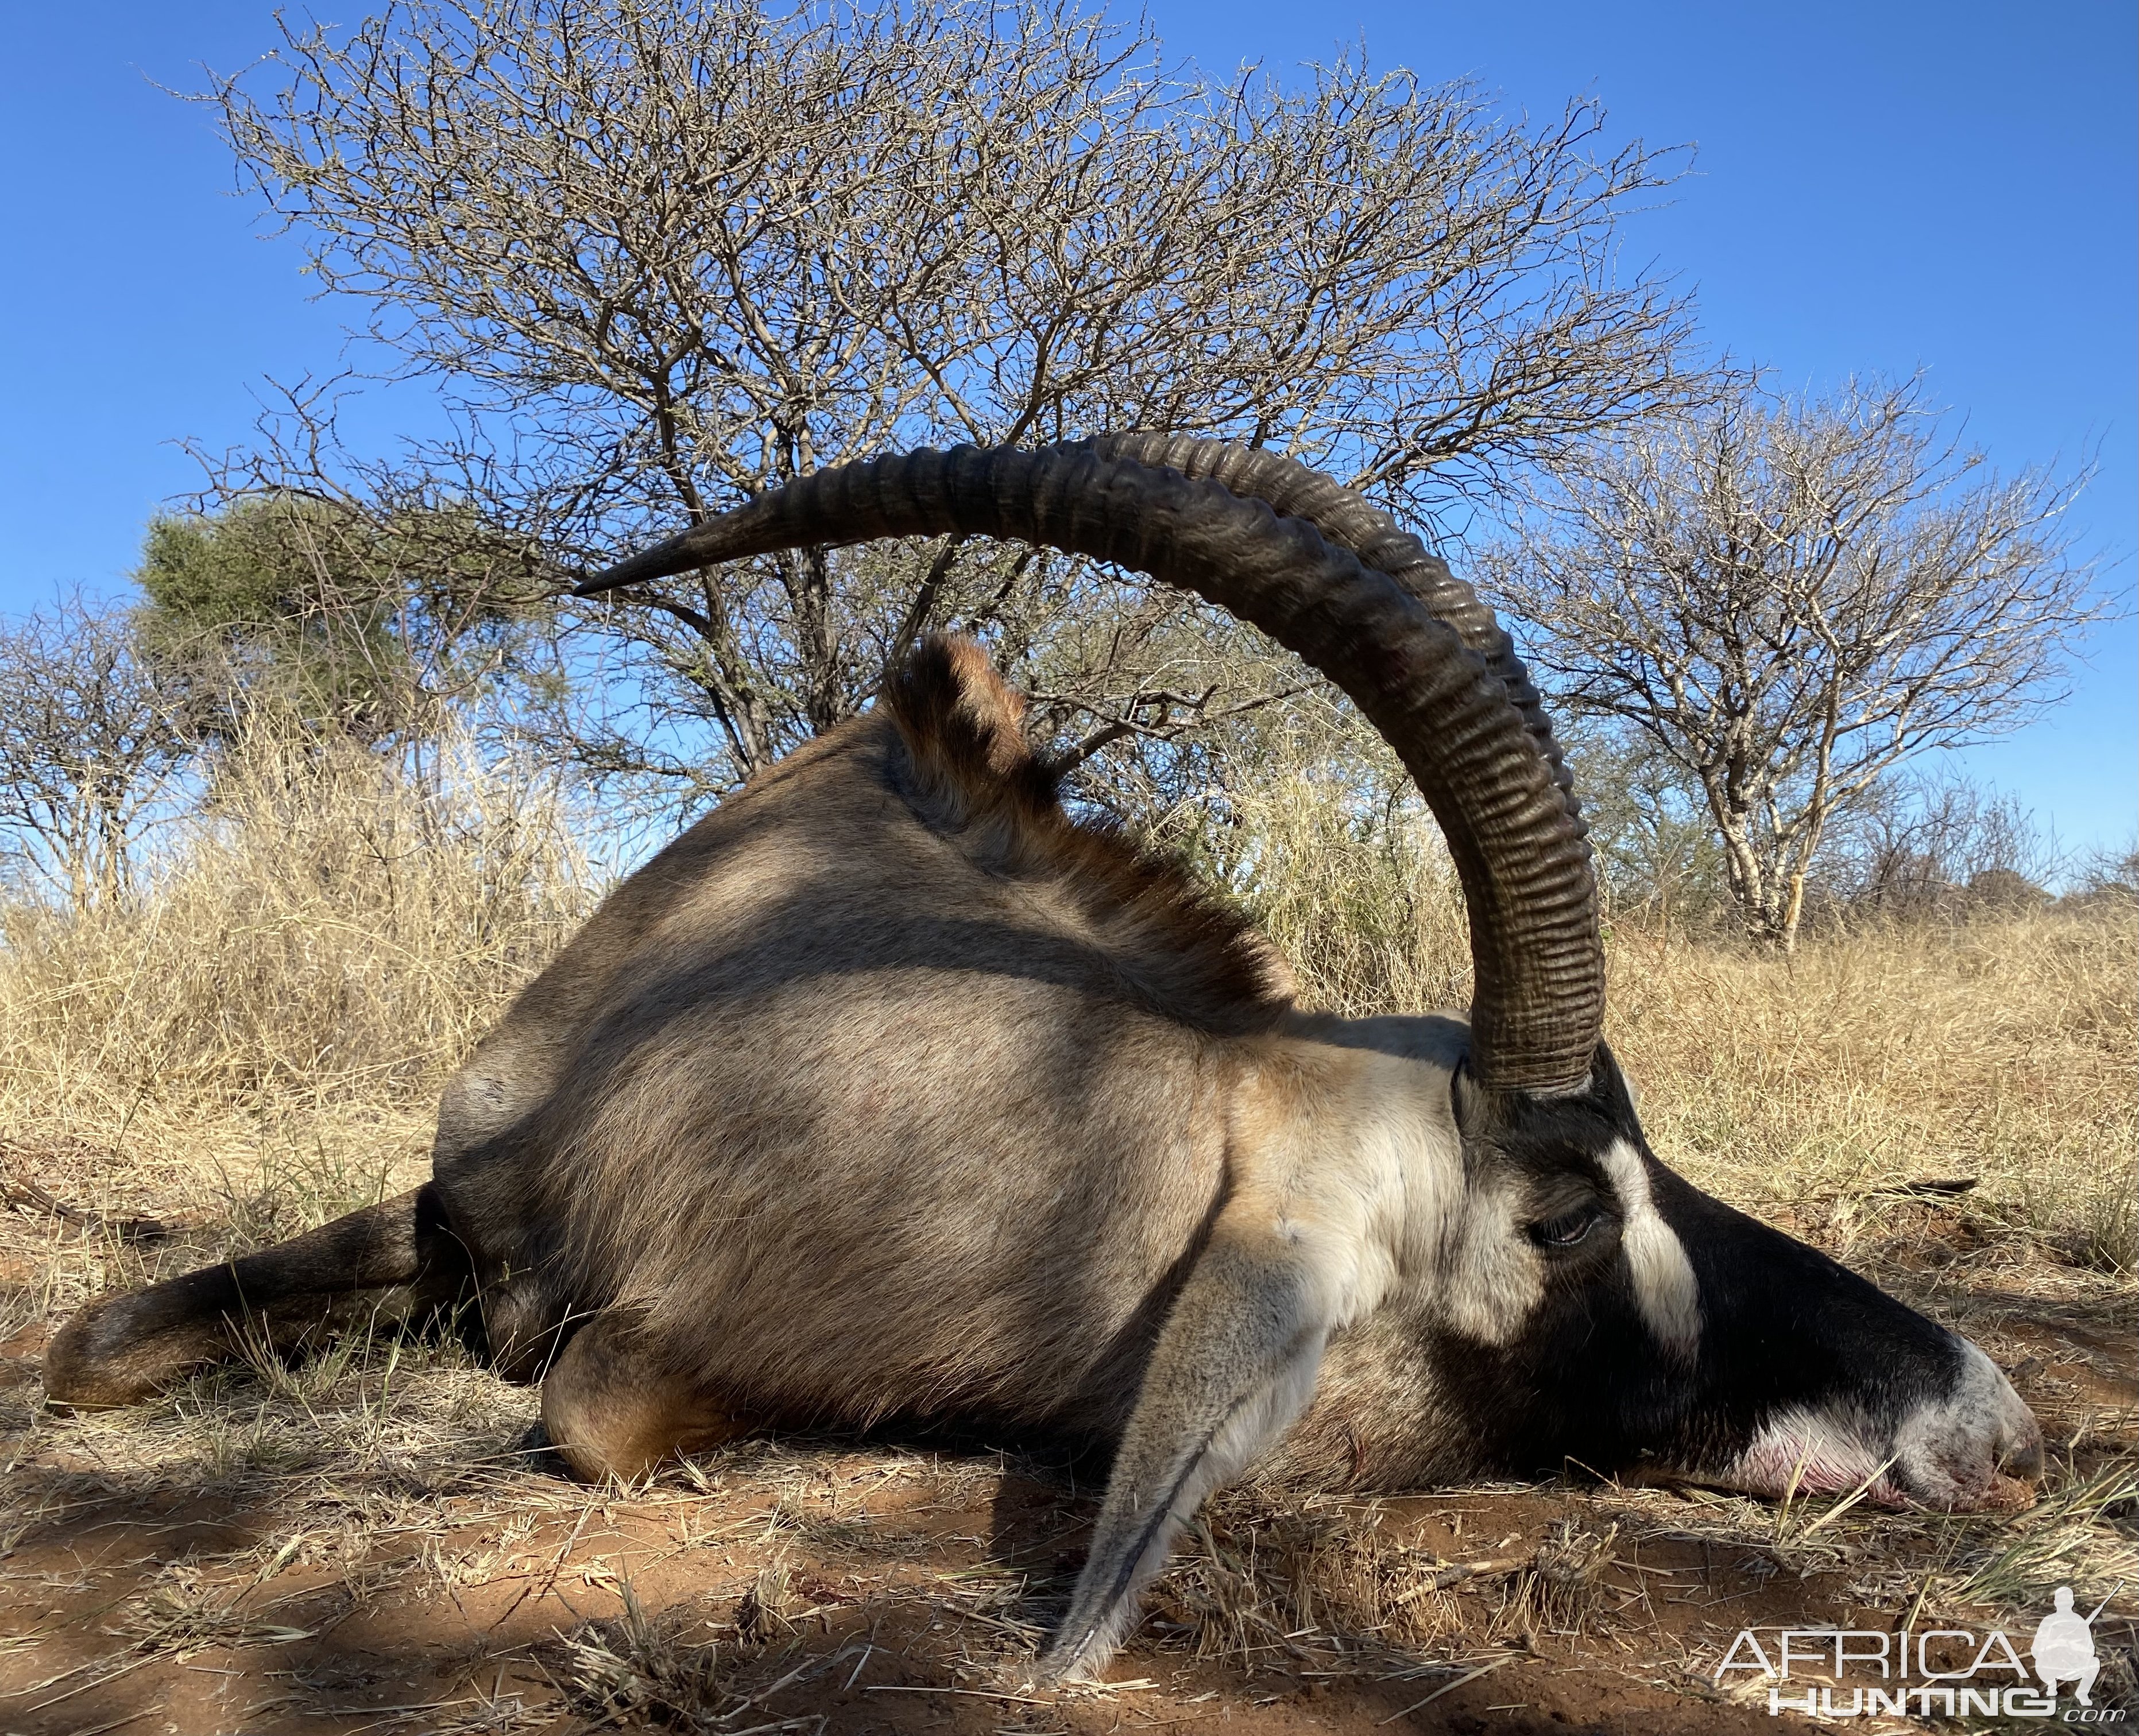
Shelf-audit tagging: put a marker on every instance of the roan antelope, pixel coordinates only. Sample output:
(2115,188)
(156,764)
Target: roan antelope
(889,1090)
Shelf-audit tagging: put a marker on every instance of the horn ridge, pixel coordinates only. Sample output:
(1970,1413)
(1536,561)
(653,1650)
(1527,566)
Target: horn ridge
(1537,1005)
(1348,519)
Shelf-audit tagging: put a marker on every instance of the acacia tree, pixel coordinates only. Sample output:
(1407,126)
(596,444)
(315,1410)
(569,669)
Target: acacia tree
(1789,597)
(89,748)
(349,622)
(664,254)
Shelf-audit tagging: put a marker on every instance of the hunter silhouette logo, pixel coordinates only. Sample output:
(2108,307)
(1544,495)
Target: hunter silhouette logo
(2063,1651)
(1939,1672)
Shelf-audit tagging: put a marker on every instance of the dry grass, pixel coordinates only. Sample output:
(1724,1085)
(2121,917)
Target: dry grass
(673,1667)
(258,1042)
(1359,895)
(2001,1049)
(257,1048)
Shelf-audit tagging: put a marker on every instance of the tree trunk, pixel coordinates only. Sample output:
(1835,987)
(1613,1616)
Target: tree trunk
(1793,910)
(1764,906)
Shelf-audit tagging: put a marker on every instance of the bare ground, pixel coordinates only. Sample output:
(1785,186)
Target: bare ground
(370,1542)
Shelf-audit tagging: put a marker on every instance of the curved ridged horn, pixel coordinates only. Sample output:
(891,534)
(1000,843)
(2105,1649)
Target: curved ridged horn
(1349,520)
(1538,996)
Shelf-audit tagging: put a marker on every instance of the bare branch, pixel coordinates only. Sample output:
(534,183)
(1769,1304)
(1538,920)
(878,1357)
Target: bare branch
(662,257)
(1789,598)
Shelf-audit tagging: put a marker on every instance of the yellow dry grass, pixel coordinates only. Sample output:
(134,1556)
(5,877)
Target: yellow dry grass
(260,1036)
(2000,1049)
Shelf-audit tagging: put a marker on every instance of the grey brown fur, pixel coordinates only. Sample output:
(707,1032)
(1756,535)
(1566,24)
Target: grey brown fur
(892,953)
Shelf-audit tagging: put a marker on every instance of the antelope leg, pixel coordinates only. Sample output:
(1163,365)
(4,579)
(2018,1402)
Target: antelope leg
(610,1409)
(120,1348)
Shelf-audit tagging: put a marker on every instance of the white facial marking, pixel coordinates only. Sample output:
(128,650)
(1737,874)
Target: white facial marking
(1665,1288)
(1945,1453)
(1495,1279)
(1947,1450)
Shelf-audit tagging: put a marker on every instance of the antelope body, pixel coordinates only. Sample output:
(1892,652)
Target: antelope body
(888,1091)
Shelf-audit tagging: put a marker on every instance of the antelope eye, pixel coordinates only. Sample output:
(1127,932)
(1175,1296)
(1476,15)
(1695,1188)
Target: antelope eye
(1566,1229)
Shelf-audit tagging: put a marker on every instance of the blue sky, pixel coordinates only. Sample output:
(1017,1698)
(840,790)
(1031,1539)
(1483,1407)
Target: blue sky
(1877,187)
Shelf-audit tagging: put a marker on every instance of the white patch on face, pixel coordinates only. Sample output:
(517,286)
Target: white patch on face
(1493,1279)
(1665,1288)
(1949,1453)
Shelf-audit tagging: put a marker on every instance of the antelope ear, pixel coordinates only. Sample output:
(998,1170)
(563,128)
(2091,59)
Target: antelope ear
(1235,1366)
(1613,1091)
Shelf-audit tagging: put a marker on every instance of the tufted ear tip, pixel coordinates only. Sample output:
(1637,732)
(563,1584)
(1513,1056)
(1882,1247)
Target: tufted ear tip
(962,725)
